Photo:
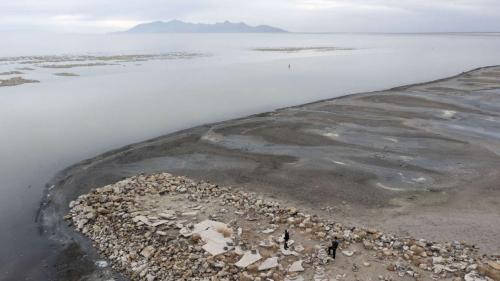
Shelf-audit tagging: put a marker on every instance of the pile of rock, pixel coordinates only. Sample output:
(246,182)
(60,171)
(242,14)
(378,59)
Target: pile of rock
(163,227)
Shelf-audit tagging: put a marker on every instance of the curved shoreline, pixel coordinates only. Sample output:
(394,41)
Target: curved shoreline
(116,161)
(131,146)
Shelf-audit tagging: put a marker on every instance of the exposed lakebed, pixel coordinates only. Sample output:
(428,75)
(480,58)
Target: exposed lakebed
(61,120)
(402,160)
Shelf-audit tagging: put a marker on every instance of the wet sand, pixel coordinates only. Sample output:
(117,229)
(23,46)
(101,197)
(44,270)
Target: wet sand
(73,65)
(301,49)
(15,81)
(66,74)
(11,73)
(421,160)
(79,61)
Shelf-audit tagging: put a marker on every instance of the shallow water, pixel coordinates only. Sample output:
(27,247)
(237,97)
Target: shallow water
(49,125)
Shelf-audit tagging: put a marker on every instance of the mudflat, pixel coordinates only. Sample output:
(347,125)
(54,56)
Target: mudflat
(420,160)
(14,81)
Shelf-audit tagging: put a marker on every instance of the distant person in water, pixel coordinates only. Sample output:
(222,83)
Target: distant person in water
(333,248)
(286,238)
(289,66)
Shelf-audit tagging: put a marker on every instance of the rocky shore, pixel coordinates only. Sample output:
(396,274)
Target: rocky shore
(416,161)
(165,227)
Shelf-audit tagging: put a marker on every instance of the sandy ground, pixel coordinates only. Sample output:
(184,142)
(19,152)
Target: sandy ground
(420,160)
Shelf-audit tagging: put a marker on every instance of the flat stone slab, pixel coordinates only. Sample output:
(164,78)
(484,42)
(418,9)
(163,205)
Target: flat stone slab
(148,251)
(473,276)
(142,219)
(247,259)
(215,248)
(216,243)
(269,263)
(348,253)
(266,244)
(288,252)
(190,214)
(268,230)
(296,266)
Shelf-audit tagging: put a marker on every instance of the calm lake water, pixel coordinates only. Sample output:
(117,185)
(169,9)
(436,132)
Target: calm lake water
(47,126)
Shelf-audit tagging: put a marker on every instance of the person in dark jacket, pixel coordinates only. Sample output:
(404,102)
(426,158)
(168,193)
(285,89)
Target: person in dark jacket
(286,238)
(333,248)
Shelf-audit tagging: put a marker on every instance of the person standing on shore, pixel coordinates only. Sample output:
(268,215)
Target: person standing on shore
(286,238)
(333,248)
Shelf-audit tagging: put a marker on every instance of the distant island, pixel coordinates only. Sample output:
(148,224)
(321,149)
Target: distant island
(177,26)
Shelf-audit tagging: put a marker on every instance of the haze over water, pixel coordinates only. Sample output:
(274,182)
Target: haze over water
(61,120)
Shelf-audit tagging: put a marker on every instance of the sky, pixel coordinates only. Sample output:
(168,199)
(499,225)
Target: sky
(101,16)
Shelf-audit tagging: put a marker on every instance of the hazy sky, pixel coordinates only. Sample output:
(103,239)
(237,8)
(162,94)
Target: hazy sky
(97,16)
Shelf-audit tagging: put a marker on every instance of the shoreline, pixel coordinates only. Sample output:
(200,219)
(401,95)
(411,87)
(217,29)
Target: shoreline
(59,195)
(173,228)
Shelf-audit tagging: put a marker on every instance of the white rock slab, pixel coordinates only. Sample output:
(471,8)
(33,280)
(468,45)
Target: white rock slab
(142,219)
(348,253)
(211,235)
(185,232)
(473,276)
(206,224)
(296,266)
(266,244)
(288,252)
(190,214)
(268,230)
(238,251)
(298,248)
(269,263)
(215,242)
(148,251)
(247,259)
(214,248)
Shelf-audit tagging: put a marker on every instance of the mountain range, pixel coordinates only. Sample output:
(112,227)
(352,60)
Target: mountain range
(177,26)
